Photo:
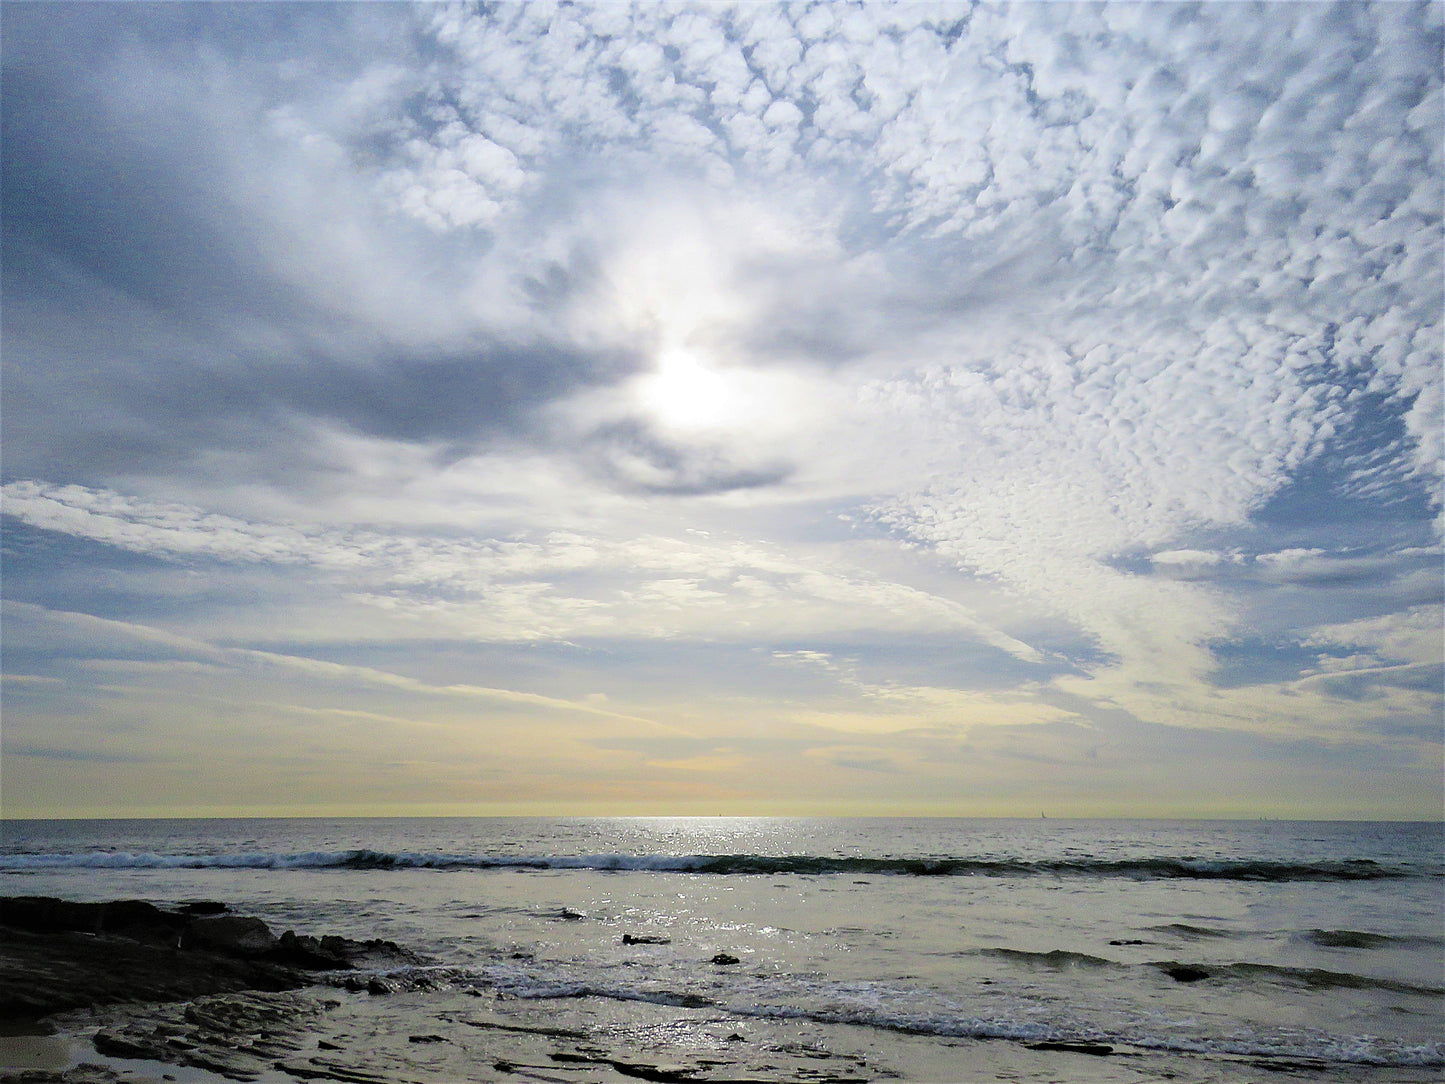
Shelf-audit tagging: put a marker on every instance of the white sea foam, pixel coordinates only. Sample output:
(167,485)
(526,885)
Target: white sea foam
(129,860)
(1144,867)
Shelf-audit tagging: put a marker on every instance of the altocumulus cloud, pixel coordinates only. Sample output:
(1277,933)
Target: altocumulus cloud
(1094,348)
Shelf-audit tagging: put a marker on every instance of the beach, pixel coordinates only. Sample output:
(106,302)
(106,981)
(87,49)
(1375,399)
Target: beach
(718,950)
(441,1036)
(450,1036)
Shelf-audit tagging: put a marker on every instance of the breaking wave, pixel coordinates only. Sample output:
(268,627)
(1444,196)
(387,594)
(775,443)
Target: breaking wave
(1164,868)
(1188,932)
(1314,978)
(1359,939)
(1056,960)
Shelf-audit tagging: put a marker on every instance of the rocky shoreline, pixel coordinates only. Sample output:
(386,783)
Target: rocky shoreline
(193,985)
(197,987)
(57,955)
(134,993)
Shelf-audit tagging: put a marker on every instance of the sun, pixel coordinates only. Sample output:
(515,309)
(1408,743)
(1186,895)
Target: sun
(687,393)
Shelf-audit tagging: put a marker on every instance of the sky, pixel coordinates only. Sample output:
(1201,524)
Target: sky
(899,409)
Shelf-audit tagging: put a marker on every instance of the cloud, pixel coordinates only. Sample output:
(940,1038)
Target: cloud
(1301,566)
(970,126)
(91,756)
(554,585)
(1100,341)
(232,274)
(632,458)
(1411,636)
(1172,559)
(197,656)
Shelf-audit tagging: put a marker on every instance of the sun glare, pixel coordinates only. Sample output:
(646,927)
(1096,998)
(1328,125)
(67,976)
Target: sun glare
(687,393)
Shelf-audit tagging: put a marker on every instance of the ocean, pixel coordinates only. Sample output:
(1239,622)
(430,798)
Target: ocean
(914,948)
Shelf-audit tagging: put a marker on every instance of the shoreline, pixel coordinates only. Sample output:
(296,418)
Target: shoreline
(130,992)
(455,1038)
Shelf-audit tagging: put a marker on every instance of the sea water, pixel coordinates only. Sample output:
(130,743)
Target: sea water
(1321,941)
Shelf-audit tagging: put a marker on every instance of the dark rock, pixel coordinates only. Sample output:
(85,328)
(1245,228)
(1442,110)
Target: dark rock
(136,919)
(26,1026)
(1097,1049)
(204,907)
(1130,941)
(46,915)
(57,955)
(427,1039)
(340,953)
(327,954)
(322,1069)
(44,973)
(662,1074)
(232,935)
(141,921)
(373,953)
(523,1029)
(1179,973)
(1313,1068)
(723,959)
(238,1036)
(685,1001)
(118,1045)
(645,939)
(84,1073)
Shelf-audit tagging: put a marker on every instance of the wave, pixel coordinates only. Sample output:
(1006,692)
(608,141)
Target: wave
(1362,940)
(1311,978)
(1314,978)
(1191,933)
(1056,960)
(1163,868)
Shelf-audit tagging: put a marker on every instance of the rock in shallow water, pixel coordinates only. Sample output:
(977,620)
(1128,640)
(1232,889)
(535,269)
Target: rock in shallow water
(233,935)
(42,974)
(239,1036)
(1098,1050)
(136,920)
(1180,973)
(57,955)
